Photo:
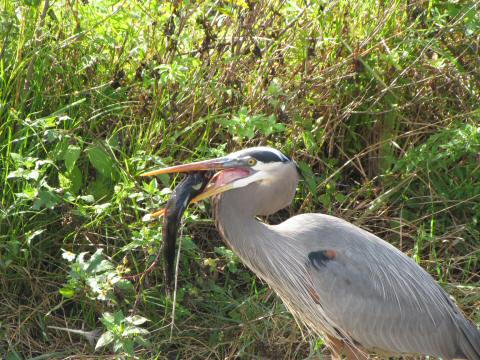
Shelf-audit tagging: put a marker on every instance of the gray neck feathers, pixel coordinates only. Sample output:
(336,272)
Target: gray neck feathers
(248,237)
(263,248)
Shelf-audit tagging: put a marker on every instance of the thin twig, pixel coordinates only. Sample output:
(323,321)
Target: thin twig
(172,323)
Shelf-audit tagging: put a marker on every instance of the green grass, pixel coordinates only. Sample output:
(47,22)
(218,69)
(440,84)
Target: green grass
(376,100)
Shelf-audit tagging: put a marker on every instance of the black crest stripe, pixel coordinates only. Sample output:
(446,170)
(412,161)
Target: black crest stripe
(267,156)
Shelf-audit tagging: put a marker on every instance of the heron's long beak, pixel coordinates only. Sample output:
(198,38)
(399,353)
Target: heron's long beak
(230,170)
(206,165)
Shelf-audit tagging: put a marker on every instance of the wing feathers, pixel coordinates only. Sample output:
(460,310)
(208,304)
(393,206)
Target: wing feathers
(374,292)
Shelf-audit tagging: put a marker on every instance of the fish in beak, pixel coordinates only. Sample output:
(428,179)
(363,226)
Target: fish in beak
(199,184)
(189,187)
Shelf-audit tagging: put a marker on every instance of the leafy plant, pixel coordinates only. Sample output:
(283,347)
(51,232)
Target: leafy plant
(122,332)
(232,260)
(244,126)
(95,277)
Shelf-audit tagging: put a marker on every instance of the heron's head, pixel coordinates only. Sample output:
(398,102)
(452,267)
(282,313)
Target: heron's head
(263,177)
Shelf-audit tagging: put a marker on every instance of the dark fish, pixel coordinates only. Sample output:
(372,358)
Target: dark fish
(192,185)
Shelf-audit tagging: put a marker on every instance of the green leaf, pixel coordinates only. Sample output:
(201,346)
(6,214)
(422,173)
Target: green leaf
(46,199)
(75,177)
(98,264)
(232,267)
(135,331)
(104,340)
(118,345)
(100,208)
(128,347)
(309,177)
(28,192)
(89,199)
(17,158)
(136,320)
(118,317)
(325,199)
(32,3)
(16,174)
(107,319)
(101,161)
(70,156)
(33,234)
(25,174)
(13,247)
(340,197)
(67,292)
(100,188)
(144,342)
(59,150)
(64,181)
(44,122)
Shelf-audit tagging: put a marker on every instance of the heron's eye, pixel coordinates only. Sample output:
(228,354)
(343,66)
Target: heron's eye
(252,162)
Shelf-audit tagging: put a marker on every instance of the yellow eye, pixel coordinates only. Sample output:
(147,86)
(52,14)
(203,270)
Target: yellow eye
(252,162)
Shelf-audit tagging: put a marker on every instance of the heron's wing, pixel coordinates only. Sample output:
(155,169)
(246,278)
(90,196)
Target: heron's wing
(375,293)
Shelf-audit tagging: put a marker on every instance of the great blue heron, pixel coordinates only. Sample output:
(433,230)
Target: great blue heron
(340,280)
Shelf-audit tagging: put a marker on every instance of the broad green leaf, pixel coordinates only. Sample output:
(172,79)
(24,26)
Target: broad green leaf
(67,292)
(144,342)
(136,320)
(13,247)
(52,135)
(17,158)
(125,285)
(119,317)
(32,3)
(59,150)
(340,197)
(118,345)
(64,181)
(75,177)
(100,188)
(46,199)
(16,174)
(135,331)
(101,161)
(70,156)
(325,199)
(107,319)
(100,208)
(104,340)
(97,263)
(29,192)
(128,347)
(41,163)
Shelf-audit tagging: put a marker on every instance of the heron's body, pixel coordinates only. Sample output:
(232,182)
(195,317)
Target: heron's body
(369,293)
(335,277)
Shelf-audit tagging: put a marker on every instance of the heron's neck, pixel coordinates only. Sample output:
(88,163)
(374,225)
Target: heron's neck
(251,239)
(268,250)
